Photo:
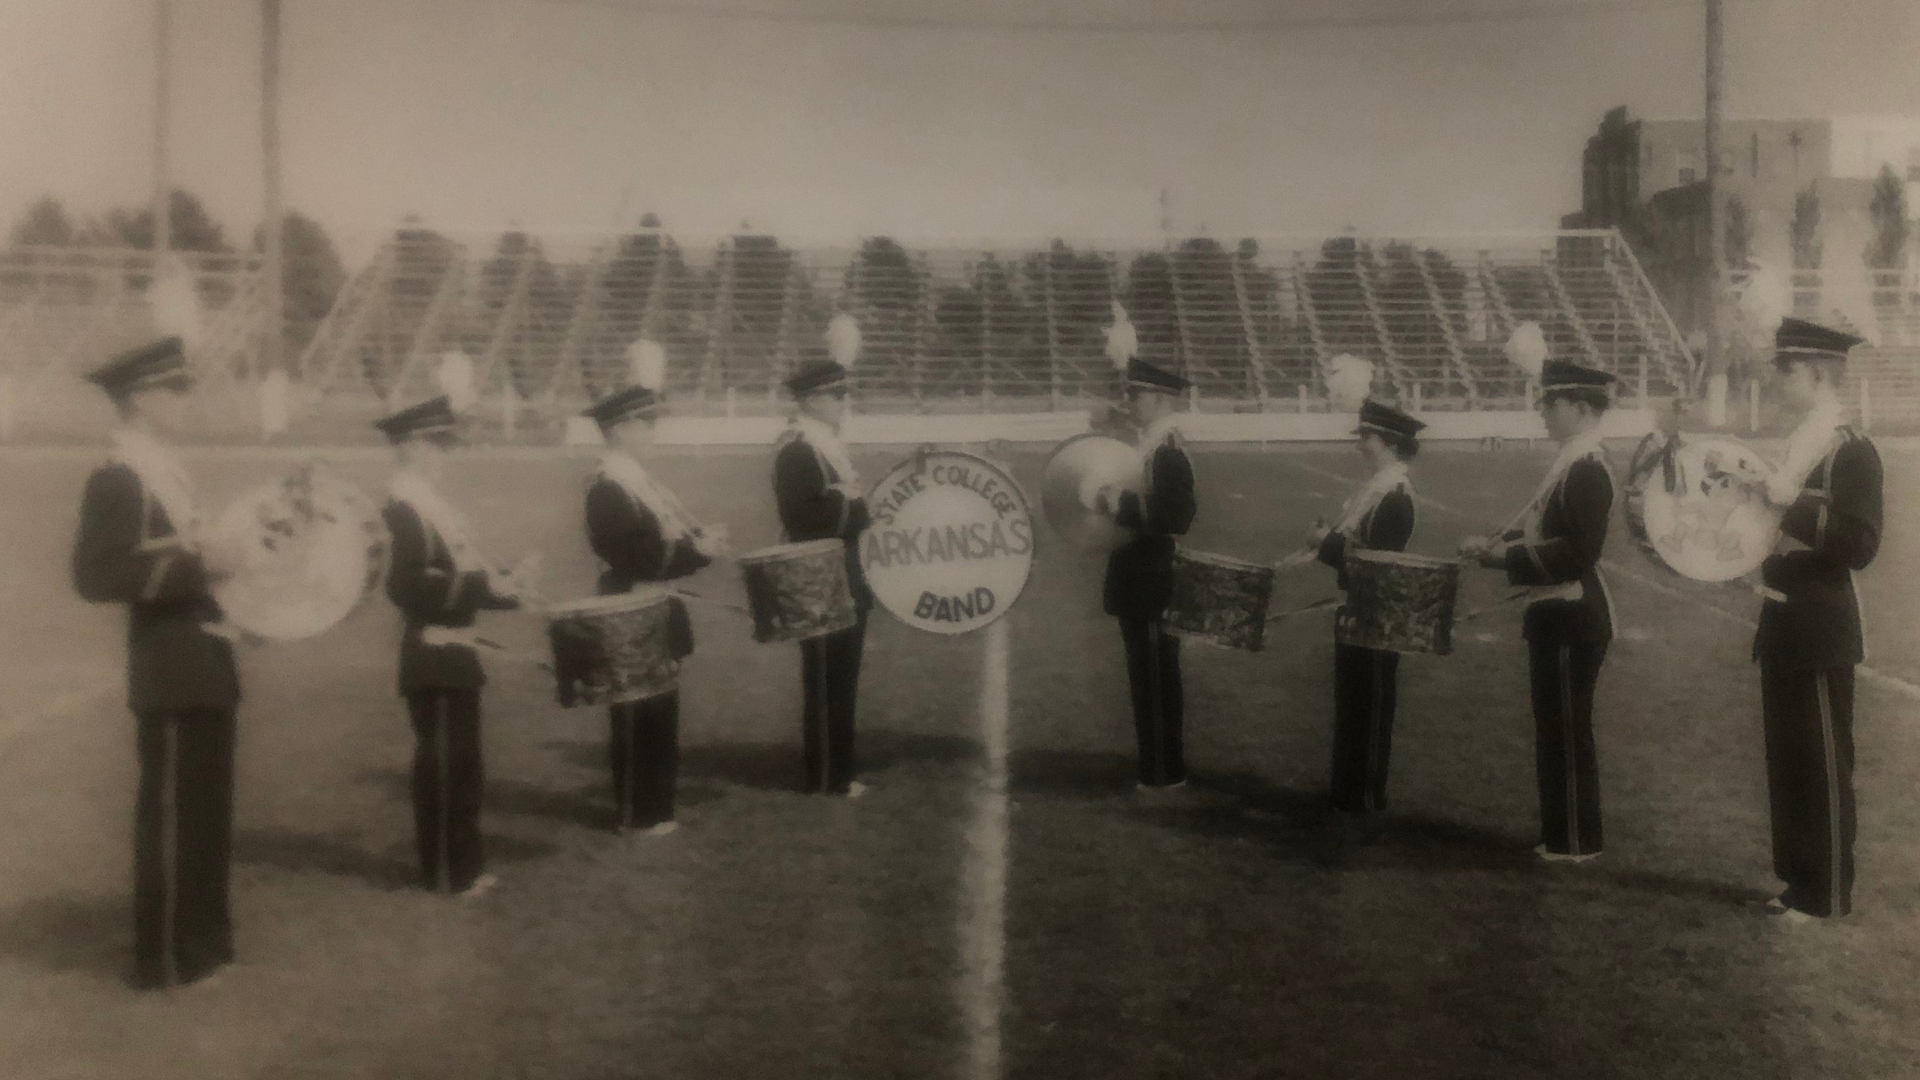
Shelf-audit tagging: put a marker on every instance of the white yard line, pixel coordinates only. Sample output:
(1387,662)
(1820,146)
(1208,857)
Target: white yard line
(1872,674)
(983,901)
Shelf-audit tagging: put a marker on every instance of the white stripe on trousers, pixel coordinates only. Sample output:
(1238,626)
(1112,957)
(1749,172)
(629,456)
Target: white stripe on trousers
(1828,746)
(169,845)
(443,856)
(1375,767)
(823,716)
(1571,753)
(1155,722)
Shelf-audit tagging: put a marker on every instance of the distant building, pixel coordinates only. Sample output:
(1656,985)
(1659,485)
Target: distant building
(1647,178)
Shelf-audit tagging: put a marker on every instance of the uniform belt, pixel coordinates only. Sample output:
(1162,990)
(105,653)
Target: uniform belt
(450,635)
(1571,590)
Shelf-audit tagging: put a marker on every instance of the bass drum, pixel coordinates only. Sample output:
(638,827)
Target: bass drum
(311,548)
(1697,505)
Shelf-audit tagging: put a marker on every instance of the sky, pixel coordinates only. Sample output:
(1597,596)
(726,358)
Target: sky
(572,117)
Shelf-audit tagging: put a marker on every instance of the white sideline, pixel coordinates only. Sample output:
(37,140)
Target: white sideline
(1891,682)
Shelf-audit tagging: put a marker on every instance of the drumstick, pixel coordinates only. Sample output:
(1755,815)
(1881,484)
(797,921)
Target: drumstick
(735,608)
(1299,558)
(513,654)
(1495,606)
(1315,606)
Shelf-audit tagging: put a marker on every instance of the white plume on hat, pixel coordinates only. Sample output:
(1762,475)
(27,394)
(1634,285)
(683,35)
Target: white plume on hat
(1123,342)
(455,376)
(1349,379)
(1849,294)
(843,339)
(1527,348)
(176,302)
(647,363)
(1765,302)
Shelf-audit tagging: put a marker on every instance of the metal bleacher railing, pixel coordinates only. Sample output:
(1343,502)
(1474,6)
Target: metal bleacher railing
(969,330)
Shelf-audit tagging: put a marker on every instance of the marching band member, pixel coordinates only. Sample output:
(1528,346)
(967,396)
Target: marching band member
(1139,579)
(642,534)
(1810,635)
(137,545)
(819,497)
(1569,623)
(439,579)
(1378,517)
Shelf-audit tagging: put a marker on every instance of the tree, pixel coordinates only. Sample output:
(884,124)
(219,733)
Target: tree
(311,275)
(1738,240)
(1805,230)
(45,222)
(193,228)
(1888,249)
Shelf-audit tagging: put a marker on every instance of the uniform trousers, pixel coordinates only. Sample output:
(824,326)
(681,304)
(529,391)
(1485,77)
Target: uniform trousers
(1153,678)
(1808,716)
(1365,682)
(644,751)
(1568,768)
(448,779)
(830,682)
(183,846)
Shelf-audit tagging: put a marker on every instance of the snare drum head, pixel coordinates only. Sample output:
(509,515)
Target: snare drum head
(314,548)
(1713,521)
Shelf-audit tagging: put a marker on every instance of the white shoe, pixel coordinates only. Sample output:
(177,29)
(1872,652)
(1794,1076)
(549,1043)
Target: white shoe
(481,886)
(855,789)
(1563,857)
(665,828)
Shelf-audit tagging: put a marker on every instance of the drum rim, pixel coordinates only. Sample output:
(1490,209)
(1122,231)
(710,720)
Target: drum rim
(1225,562)
(612,602)
(777,552)
(1404,558)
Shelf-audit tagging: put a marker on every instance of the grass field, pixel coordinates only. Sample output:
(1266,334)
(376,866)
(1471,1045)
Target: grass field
(1235,934)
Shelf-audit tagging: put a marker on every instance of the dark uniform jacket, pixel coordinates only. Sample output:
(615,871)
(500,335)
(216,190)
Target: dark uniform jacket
(811,509)
(1139,582)
(1386,527)
(122,555)
(424,585)
(1833,529)
(626,535)
(1573,531)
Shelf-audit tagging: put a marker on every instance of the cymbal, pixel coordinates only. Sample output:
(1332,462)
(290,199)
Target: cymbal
(1074,474)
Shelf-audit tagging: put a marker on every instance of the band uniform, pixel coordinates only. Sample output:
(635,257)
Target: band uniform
(813,491)
(627,518)
(1366,681)
(135,546)
(440,676)
(1808,642)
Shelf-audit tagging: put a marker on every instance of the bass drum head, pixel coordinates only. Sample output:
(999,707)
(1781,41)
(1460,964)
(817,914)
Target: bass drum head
(314,547)
(1076,471)
(1703,512)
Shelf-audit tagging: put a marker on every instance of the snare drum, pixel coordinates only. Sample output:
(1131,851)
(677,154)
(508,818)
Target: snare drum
(1220,600)
(610,650)
(1398,602)
(798,591)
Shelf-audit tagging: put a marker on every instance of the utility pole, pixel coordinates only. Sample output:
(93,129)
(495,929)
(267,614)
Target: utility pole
(162,182)
(273,279)
(1716,358)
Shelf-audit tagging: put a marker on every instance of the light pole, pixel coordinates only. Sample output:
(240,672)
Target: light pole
(273,281)
(1716,358)
(162,184)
